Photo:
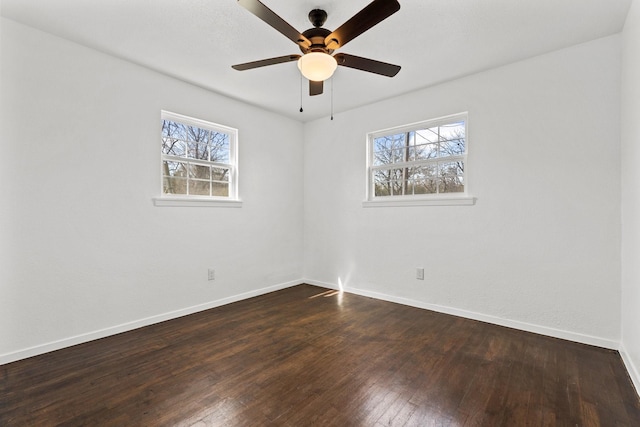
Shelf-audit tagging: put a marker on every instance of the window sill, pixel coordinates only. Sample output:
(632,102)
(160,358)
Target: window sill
(196,202)
(435,201)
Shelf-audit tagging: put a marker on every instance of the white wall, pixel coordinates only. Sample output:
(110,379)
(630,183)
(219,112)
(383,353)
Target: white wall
(84,253)
(541,248)
(631,193)
(82,248)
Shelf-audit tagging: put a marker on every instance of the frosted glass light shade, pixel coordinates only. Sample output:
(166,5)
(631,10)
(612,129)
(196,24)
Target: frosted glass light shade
(317,66)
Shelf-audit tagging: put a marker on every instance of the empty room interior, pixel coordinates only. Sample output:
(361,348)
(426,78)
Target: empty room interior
(443,231)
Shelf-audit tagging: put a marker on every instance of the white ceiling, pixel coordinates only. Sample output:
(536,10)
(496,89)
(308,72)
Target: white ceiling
(433,40)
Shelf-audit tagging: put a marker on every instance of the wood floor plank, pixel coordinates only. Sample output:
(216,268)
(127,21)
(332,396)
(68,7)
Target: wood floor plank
(308,356)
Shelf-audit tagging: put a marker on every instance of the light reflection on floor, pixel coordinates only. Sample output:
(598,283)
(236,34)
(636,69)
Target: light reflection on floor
(328,294)
(325,294)
(332,292)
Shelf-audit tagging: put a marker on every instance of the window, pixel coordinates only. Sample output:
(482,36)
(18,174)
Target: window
(199,160)
(422,161)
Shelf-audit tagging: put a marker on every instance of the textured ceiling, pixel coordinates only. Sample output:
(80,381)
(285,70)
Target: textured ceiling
(433,40)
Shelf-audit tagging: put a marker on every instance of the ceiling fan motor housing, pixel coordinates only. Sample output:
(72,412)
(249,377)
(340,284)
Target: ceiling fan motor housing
(316,36)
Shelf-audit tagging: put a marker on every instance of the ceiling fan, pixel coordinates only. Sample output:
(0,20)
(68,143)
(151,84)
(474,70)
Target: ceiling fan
(318,44)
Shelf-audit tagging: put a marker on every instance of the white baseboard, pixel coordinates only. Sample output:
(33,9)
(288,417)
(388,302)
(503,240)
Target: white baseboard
(102,333)
(633,371)
(542,330)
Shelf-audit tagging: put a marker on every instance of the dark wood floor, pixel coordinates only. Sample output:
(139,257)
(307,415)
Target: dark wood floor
(308,356)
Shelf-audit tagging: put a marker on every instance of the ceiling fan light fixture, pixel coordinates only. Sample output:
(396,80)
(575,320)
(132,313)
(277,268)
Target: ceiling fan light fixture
(317,66)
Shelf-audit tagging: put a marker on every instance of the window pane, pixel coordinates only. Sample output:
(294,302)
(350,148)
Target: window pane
(413,173)
(411,138)
(398,155)
(174,185)
(425,151)
(195,134)
(454,147)
(451,168)
(382,184)
(178,169)
(397,140)
(451,177)
(200,188)
(165,128)
(409,188)
(424,136)
(174,130)
(220,147)
(220,174)
(452,131)
(397,188)
(199,172)
(382,175)
(397,174)
(382,144)
(382,189)
(174,147)
(423,179)
(425,186)
(220,189)
(389,149)
(425,172)
(451,185)
(382,158)
(411,153)
(197,150)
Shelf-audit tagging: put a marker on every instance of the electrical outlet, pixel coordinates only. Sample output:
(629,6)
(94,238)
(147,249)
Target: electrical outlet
(212,274)
(420,273)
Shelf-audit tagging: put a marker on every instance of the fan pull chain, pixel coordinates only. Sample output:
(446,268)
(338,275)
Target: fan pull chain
(301,90)
(332,97)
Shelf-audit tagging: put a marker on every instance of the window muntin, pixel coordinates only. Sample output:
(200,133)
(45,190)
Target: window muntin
(198,158)
(422,160)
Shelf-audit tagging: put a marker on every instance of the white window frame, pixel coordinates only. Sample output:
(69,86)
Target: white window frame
(436,199)
(232,200)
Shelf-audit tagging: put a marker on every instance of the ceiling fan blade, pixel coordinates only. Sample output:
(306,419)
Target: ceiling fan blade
(366,64)
(315,88)
(374,13)
(265,62)
(268,16)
